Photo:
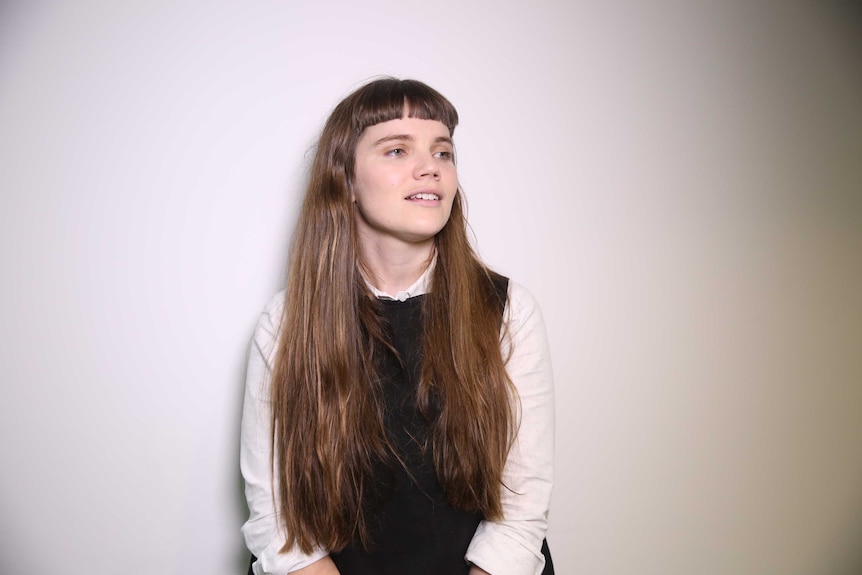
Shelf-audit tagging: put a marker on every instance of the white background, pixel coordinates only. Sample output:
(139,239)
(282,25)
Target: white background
(680,185)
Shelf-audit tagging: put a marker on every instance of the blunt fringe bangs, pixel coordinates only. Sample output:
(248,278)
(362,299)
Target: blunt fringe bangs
(389,98)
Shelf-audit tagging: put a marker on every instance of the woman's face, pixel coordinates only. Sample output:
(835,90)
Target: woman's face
(405,182)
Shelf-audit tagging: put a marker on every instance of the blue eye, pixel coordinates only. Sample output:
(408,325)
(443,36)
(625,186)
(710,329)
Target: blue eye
(395,152)
(444,155)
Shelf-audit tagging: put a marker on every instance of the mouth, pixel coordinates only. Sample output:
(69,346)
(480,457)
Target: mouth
(424,196)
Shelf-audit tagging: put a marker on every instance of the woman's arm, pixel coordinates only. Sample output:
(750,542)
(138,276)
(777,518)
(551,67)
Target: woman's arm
(263,533)
(513,545)
(325,566)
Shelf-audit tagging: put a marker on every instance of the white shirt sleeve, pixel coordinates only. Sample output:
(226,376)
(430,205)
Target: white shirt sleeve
(264,536)
(512,546)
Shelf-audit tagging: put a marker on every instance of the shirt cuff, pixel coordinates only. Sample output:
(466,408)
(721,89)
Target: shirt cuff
(495,551)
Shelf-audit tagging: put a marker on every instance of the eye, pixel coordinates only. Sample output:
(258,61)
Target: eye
(444,155)
(395,152)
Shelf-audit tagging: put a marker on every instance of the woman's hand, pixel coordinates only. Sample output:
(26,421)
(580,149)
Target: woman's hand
(324,566)
(475,570)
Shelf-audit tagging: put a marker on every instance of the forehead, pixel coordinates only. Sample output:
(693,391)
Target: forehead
(414,128)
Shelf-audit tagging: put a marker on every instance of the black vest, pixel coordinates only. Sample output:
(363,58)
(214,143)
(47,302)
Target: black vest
(413,528)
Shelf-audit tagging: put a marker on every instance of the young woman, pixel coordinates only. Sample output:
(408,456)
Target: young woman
(398,413)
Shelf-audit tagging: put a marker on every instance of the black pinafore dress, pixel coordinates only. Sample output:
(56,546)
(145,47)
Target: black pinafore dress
(413,528)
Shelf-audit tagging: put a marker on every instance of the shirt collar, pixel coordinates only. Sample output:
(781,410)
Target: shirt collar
(419,287)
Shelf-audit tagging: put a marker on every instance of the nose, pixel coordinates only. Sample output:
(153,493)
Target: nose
(427,166)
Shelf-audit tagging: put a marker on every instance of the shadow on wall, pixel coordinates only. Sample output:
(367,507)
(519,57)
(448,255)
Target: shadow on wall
(238,504)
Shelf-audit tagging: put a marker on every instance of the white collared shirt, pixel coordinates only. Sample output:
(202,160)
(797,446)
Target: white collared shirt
(419,287)
(508,547)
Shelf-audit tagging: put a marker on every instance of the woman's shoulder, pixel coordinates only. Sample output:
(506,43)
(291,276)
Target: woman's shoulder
(269,321)
(521,305)
(520,295)
(275,306)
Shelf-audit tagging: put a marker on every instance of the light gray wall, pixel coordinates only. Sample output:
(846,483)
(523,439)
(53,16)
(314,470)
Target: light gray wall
(680,186)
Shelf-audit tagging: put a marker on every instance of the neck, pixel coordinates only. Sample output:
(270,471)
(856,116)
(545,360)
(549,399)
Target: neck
(395,267)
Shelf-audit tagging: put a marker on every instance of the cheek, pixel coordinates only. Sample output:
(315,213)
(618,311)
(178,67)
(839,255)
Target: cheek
(359,189)
(363,182)
(453,178)
(372,184)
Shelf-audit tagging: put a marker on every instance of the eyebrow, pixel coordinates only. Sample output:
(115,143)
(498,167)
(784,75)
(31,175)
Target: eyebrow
(409,138)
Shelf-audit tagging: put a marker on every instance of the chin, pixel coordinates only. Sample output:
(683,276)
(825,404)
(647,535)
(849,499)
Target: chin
(420,236)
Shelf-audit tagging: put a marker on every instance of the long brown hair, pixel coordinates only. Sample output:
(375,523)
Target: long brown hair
(328,429)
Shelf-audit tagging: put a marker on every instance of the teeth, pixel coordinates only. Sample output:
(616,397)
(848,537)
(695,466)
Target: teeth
(424,196)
